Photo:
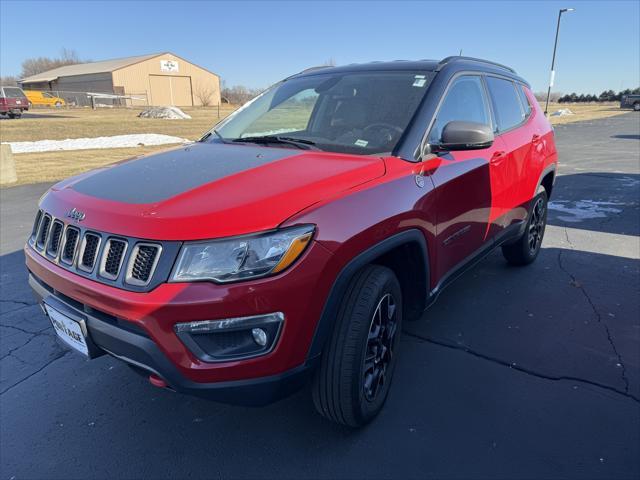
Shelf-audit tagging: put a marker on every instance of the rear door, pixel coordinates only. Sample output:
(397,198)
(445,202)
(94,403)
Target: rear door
(462,179)
(510,118)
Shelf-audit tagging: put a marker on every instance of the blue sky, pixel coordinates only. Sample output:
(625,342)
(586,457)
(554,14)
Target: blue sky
(258,43)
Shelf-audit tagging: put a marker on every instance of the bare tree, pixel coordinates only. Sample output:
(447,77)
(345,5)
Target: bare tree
(33,66)
(542,96)
(239,94)
(204,93)
(9,81)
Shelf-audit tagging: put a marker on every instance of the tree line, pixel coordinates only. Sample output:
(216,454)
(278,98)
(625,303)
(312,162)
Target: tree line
(606,96)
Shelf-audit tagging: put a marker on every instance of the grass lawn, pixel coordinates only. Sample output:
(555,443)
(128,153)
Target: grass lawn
(78,123)
(61,124)
(584,111)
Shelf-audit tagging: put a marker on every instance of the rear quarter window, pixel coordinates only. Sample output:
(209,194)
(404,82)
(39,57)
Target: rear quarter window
(526,106)
(506,103)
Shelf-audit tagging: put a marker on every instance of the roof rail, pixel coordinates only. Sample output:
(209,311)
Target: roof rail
(454,58)
(307,70)
(317,67)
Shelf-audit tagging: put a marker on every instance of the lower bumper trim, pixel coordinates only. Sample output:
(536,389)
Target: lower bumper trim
(143,353)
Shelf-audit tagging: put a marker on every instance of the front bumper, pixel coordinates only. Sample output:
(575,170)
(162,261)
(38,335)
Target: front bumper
(137,349)
(138,327)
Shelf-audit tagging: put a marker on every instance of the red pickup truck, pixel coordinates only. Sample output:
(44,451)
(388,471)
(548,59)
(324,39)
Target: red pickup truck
(13,102)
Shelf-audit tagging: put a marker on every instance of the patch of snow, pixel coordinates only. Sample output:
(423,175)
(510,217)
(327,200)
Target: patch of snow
(168,113)
(116,141)
(562,112)
(583,209)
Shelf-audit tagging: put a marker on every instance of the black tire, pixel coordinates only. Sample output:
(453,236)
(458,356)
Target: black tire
(15,115)
(346,391)
(526,249)
(636,106)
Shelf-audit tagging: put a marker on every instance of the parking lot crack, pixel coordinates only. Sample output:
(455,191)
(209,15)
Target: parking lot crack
(28,332)
(20,305)
(33,335)
(54,359)
(520,368)
(580,286)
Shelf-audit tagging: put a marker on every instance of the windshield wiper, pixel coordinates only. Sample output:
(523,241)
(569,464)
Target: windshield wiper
(296,142)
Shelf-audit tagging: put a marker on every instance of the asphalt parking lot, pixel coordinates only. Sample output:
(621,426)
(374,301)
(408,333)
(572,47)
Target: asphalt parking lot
(514,373)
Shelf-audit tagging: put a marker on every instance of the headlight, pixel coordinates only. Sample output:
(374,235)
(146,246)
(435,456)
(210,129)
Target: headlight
(241,258)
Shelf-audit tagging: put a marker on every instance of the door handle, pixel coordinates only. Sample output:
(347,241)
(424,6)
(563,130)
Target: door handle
(536,138)
(497,157)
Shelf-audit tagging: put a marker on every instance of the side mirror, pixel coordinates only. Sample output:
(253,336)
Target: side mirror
(465,136)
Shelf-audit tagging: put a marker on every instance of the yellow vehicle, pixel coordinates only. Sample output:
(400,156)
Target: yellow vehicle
(43,99)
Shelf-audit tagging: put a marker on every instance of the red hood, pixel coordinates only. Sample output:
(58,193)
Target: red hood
(207,190)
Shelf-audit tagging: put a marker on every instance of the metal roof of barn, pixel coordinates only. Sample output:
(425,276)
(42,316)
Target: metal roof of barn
(88,68)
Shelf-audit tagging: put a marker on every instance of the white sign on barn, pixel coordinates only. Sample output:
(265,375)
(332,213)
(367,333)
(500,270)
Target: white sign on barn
(168,66)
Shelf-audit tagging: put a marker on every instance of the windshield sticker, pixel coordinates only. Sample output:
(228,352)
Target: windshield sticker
(361,143)
(420,82)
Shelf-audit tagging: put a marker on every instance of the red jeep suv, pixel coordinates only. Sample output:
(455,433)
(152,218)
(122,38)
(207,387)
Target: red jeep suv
(292,240)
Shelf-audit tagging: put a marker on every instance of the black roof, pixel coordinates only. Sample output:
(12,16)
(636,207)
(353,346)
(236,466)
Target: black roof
(450,63)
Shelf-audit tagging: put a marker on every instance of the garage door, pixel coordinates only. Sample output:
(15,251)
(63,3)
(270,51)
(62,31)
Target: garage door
(170,90)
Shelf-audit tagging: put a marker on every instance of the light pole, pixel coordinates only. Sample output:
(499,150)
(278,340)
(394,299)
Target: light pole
(553,60)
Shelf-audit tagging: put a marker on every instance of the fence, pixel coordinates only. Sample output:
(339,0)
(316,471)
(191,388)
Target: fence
(94,99)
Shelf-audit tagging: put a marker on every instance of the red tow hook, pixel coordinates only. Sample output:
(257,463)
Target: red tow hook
(156,381)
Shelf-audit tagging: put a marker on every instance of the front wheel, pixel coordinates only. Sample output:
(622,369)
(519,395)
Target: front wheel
(636,106)
(525,250)
(357,366)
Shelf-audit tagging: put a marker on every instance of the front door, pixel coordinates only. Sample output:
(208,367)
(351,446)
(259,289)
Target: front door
(463,179)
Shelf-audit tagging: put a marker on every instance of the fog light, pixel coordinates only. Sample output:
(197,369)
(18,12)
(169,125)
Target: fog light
(231,338)
(259,336)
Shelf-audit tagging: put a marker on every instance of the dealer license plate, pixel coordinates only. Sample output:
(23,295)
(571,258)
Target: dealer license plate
(69,330)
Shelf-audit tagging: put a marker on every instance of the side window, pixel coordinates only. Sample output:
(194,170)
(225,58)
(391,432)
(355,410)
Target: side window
(465,101)
(506,103)
(525,100)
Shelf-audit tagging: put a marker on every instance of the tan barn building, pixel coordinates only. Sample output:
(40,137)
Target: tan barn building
(161,78)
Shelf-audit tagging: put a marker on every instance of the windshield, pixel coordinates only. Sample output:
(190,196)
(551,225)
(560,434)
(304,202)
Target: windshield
(357,112)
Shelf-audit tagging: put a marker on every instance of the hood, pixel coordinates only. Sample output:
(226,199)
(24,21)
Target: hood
(208,190)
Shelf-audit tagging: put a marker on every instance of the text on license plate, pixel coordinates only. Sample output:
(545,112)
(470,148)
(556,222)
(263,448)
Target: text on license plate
(69,331)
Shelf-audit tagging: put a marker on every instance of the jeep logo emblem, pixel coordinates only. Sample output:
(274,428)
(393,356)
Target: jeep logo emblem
(75,215)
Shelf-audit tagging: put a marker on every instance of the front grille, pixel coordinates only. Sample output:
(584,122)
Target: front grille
(55,237)
(70,243)
(36,224)
(143,262)
(43,231)
(122,262)
(112,258)
(89,252)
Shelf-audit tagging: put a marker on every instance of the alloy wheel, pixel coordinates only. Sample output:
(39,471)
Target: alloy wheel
(379,349)
(536,225)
